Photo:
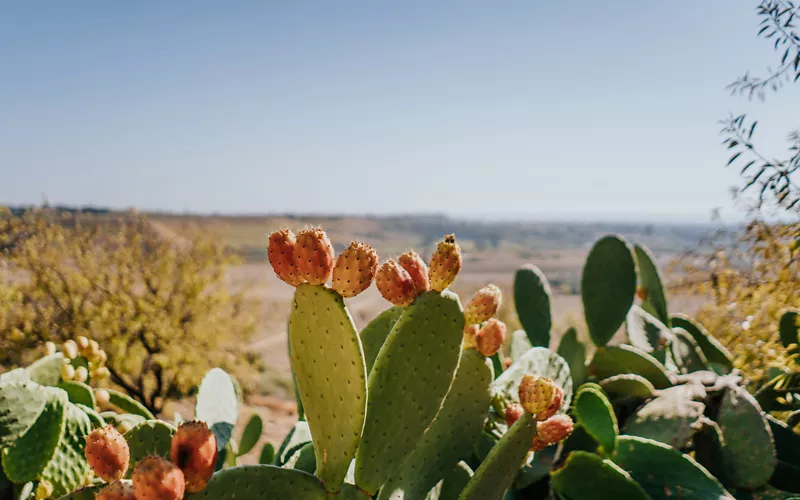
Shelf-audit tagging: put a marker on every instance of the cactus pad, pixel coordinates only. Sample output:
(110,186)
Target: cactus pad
(596,415)
(451,435)
(748,439)
(537,361)
(532,302)
(787,447)
(78,392)
(672,418)
(47,370)
(257,482)
(374,334)
(67,469)
(520,344)
(328,362)
(718,357)
(498,469)
(21,403)
(628,386)
(218,405)
(650,281)
(686,353)
(664,472)
(574,353)
(251,434)
(608,286)
(408,383)
(586,475)
(129,405)
(645,331)
(616,360)
(297,437)
(788,328)
(152,437)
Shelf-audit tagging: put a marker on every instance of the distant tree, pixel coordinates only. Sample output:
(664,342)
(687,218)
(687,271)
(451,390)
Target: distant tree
(771,178)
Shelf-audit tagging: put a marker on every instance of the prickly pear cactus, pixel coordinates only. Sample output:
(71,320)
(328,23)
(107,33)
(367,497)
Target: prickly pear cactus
(451,436)
(621,359)
(256,482)
(538,361)
(595,413)
(608,286)
(671,418)
(532,301)
(408,383)
(374,334)
(586,475)
(152,437)
(328,362)
(573,350)
(648,333)
(720,360)
(218,405)
(628,386)
(788,327)
(128,404)
(655,302)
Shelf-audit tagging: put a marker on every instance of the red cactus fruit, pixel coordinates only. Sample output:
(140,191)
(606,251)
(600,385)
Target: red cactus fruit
(538,444)
(313,256)
(513,412)
(536,393)
(483,305)
(470,331)
(281,255)
(194,451)
(445,263)
(490,337)
(117,491)
(157,479)
(355,269)
(107,453)
(395,284)
(413,263)
(554,429)
(558,400)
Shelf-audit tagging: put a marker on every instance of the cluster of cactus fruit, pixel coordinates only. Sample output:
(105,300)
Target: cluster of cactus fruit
(430,400)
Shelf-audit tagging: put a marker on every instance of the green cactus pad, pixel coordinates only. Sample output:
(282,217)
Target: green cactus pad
(47,370)
(78,393)
(451,435)
(718,357)
(95,419)
(218,405)
(498,469)
(672,418)
(408,383)
(454,482)
(608,286)
(686,353)
(251,434)
(628,386)
(30,454)
(574,353)
(664,472)
(709,449)
(257,482)
(645,331)
(596,415)
(374,334)
(303,459)
(129,405)
(15,375)
(67,469)
(537,361)
(117,419)
(328,362)
(151,437)
(532,302)
(650,280)
(350,492)
(748,439)
(621,359)
(520,344)
(267,455)
(788,327)
(787,446)
(588,476)
(21,403)
(297,437)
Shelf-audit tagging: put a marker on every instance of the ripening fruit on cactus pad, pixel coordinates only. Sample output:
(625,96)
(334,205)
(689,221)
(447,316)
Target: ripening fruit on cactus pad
(194,451)
(107,453)
(355,269)
(157,479)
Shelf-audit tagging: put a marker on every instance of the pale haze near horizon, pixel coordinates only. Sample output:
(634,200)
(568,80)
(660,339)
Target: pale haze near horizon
(580,110)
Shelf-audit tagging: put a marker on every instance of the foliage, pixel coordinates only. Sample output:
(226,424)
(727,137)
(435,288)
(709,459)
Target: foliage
(771,178)
(159,307)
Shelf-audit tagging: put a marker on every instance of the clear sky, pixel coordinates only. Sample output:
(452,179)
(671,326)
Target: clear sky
(545,110)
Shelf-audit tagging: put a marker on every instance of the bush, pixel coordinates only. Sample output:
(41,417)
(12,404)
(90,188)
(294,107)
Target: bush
(160,307)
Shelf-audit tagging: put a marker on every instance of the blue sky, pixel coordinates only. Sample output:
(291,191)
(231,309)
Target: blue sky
(544,110)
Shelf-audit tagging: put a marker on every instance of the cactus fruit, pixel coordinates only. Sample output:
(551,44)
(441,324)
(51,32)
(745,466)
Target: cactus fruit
(107,453)
(470,334)
(194,451)
(490,337)
(44,490)
(513,412)
(281,250)
(119,490)
(313,256)
(415,266)
(555,429)
(70,349)
(102,397)
(49,348)
(355,269)
(67,371)
(483,305)
(157,479)
(81,374)
(558,400)
(445,263)
(536,394)
(395,284)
